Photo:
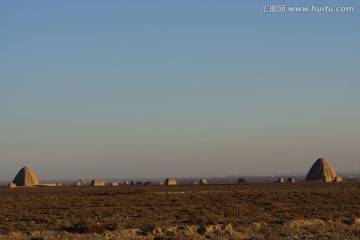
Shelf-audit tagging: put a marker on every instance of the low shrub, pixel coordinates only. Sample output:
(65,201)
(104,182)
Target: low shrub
(86,227)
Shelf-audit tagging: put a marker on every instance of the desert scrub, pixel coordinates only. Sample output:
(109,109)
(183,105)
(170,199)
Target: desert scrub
(31,209)
(90,227)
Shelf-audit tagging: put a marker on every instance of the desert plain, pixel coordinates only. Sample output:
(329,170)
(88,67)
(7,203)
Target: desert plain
(301,210)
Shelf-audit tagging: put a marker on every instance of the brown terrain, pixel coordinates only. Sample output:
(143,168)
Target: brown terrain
(302,210)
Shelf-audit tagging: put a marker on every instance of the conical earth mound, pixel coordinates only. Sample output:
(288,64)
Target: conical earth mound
(26,177)
(321,170)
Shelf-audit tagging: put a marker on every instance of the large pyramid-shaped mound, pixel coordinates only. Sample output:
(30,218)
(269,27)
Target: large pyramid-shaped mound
(26,177)
(321,170)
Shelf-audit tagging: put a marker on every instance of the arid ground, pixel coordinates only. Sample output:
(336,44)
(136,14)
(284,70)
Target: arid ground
(239,211)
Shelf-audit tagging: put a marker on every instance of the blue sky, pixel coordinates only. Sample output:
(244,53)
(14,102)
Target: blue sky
(102,89)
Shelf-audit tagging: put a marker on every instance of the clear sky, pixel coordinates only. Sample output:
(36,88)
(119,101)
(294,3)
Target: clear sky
(102,89)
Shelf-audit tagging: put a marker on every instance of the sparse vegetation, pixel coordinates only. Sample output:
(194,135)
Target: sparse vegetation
(86,227)
(253,209)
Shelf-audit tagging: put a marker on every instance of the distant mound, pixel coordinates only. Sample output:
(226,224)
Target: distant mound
(77,184)
(97,182)
(321,170)
(26,177)
(203,181)
(170,181)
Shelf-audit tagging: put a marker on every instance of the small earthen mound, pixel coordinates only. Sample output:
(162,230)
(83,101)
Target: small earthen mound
(280,180)
(321,170)
(97,183)
(203,181)
(26,177)
(77,184)
(170,181)
(338,179)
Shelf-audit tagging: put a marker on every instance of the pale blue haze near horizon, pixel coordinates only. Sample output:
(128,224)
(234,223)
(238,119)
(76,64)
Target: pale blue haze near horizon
(116,89)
